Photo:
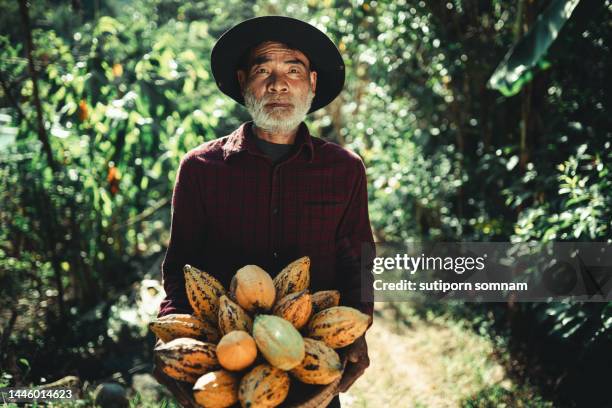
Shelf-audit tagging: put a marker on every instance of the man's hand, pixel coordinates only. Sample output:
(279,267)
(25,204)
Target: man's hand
(357,361)
(179,390)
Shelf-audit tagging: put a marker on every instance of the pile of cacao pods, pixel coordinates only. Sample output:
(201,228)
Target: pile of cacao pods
(247,343)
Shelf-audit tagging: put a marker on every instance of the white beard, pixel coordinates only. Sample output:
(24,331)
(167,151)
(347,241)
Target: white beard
(276,121)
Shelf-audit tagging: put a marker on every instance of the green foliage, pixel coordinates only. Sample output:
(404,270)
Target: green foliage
(498,396)
(584,209)
(122,100)
(517,67)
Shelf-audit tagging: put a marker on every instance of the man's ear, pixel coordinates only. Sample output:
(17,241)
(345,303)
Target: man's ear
(241,75)
(313,80)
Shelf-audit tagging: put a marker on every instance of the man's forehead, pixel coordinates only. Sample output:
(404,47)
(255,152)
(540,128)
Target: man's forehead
(271,48)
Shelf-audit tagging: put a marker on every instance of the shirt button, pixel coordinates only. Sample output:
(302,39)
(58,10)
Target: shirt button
(275,255)
(275,211)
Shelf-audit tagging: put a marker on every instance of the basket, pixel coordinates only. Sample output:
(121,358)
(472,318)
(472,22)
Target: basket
(313,396)
(300,395)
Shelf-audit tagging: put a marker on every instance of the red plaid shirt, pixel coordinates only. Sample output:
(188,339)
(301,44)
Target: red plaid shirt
(232,207)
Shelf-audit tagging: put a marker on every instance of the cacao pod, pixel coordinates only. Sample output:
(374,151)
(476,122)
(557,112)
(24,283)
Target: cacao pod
(236,350)
(278,341)
(296,308)
(186,359)
(217,389)
(324,299)
(264,386)
(253,289)
(203,292)
(321,365)
(233,317)
(293,278)
(177,325)
(338,326)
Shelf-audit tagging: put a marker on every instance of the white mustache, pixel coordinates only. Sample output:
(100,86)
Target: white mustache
(267,100)
(267,121)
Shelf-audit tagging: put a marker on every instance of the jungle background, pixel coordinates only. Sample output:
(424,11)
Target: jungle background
(100,100)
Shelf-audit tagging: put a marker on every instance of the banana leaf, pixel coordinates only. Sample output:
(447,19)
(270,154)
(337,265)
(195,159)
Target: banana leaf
(525,57)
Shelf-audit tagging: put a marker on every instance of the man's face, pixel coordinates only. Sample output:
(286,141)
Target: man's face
(278,86)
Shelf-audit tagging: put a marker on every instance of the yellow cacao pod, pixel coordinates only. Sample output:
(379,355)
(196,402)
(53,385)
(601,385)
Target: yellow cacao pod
(264,386)
(338,326)
(293,278)
(217,389)
(177,325)
(236,350)
(203,292)
(233,317)
(321,364)
(324,299)
(295,308)
(186,359)
(253,289)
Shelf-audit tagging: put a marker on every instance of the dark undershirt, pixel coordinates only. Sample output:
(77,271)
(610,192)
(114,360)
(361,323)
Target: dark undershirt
(275,151)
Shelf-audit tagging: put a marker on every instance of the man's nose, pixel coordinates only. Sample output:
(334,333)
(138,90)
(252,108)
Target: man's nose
(277,84)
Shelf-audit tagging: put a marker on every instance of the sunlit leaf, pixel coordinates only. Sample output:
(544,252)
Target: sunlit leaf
(517,67)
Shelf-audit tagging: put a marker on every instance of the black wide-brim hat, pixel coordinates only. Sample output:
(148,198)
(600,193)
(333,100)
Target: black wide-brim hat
(321,51)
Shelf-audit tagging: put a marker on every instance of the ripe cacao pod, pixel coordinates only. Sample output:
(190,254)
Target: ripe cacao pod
(186,359)
(296,308)
(264,386)
(321,365)
(324,299)
(217,389)
(338,326)
(236,350)
(293,278)
(253,289)
(233,317)
(203,292)
(177,325)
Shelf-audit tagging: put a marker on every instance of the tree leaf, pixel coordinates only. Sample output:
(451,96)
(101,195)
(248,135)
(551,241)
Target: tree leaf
(516,69)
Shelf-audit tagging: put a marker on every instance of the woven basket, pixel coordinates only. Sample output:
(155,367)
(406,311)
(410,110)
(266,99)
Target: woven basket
(311,396)
(300,395)
(316,396)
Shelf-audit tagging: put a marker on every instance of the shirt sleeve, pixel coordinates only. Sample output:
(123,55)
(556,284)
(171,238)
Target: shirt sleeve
(355,247)
(186,237)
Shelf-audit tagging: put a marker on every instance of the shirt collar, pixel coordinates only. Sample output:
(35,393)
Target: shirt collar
(242,139)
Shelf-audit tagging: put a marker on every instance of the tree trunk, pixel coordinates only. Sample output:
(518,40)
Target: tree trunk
(42,132)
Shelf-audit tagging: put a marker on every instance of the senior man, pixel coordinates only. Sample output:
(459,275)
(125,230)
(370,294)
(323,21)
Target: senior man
(269,192)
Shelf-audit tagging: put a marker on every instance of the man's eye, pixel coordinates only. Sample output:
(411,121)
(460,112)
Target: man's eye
(294,70)
(260,70)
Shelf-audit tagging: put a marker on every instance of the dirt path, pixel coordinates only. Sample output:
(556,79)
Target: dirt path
(427,363)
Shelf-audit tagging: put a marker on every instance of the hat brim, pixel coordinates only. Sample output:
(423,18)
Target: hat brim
(322,52)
